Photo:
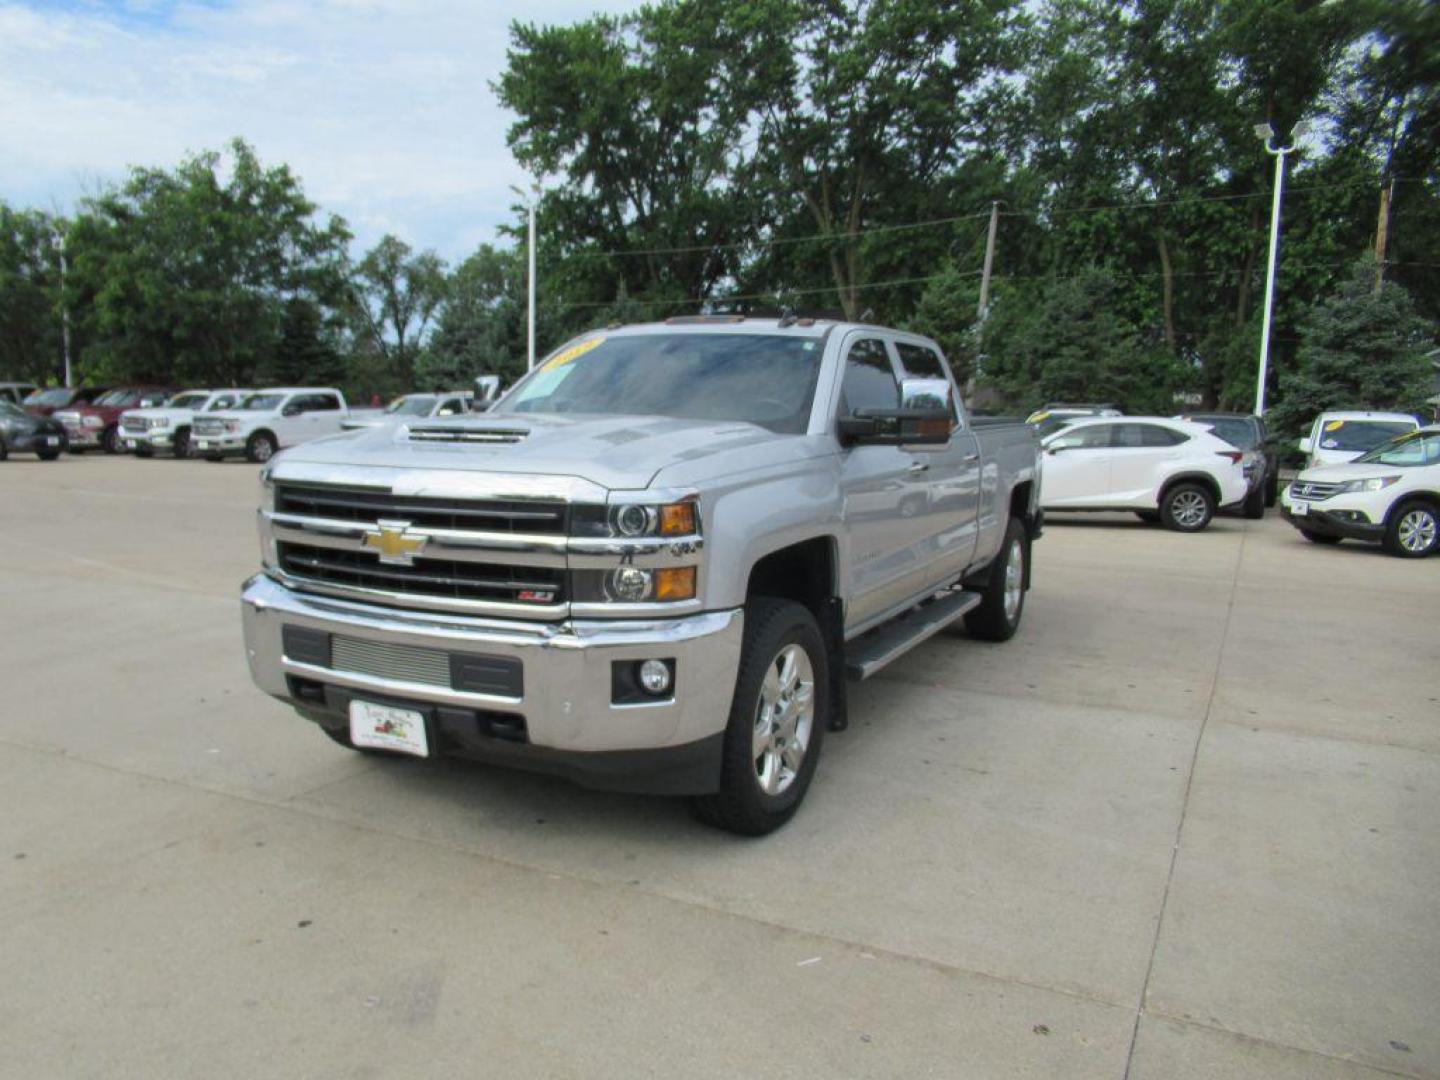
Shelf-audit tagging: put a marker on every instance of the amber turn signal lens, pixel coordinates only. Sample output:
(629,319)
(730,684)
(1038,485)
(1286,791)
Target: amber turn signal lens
(677,519)
(677,583)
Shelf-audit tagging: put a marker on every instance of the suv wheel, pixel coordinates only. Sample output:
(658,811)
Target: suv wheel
(777,721)
(1413,530)
(1255,504)
(110,440)
(181,446)
(1187,508)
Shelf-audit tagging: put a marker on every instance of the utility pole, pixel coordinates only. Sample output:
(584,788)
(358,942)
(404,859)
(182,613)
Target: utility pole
(530,200)
(983,309)
(1267,133)
(64,311)
(1382,233)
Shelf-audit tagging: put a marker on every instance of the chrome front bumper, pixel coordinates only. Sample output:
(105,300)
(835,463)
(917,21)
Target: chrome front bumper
(566,698)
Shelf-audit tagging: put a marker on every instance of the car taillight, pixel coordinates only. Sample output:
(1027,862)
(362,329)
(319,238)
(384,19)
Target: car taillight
(1233,455)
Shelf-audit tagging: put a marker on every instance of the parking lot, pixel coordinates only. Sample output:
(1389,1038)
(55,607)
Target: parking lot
(1183,826)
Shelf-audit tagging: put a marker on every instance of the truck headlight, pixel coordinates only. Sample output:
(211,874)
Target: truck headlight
(637,519)
(1370,483)
(630,584)
(636,585)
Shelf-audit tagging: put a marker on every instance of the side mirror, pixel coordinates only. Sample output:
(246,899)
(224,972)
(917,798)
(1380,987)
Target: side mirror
(925,394)
(923,419)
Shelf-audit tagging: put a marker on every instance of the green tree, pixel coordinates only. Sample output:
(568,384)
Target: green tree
(1359,349)
(30,346)
(397,294)
(1066,339)
(185,273)
(481,328)
(304,354)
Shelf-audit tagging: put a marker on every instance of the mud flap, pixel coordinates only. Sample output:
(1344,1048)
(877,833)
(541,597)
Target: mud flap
(833,627)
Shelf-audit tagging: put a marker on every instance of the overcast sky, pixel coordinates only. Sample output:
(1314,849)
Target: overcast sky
(383,107)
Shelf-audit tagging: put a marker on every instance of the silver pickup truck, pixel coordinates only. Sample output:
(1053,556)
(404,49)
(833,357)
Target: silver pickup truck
(652,566)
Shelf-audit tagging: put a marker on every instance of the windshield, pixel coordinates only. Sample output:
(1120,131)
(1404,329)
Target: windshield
(1412,448)
(1048,425)
(261,402)
(225,401)
(12,410)
(61,395)
(1357,435)
(1235,430)
(186,401)
(118,397)
(411,405)
(764,379)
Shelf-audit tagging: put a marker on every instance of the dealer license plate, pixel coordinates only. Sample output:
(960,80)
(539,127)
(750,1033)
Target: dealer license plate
(1299,509)
(384,727)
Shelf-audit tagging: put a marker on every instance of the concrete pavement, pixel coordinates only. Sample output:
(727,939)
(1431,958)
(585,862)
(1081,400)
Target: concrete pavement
(1182,826)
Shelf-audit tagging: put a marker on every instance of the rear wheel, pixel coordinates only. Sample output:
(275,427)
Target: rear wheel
(998,616)
(1413,530)
(4,450)
(1255,504)
(1272,488)
(214,457)
(1187,508)
(110,440)
(46,455)
(777,721)
(1319,538)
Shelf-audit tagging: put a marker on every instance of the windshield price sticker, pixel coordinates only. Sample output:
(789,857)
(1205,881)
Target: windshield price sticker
(572,353)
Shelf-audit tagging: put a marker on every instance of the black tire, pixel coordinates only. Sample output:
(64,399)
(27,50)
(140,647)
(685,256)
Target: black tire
(992,620)
(1319,538)
(181,446)
(214,457)
(111,441)
(1150,517)
(1413,529)
(260,447)
(144,451)
(1255,504)
(1187,507)
(741,805)
(47,455)
(4,450)
(1272,489)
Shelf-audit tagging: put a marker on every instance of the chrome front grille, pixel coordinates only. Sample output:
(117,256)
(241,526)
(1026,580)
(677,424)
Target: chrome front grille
(498,556)
(134,425)
(385,660)
(490,515)
(1313,489)
(207,425)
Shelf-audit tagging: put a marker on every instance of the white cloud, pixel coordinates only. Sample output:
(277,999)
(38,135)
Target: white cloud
(382,107)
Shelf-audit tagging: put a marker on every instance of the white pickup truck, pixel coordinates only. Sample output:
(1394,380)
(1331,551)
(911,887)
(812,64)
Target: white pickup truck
(167,427)
(270,420)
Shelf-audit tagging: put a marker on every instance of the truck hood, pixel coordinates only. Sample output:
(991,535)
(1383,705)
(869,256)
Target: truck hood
(616,452)
(173,415)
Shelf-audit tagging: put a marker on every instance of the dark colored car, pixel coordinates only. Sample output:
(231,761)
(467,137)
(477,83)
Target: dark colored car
(45,402)
(16,392)
(98,423)
(20,432)
(1245,431)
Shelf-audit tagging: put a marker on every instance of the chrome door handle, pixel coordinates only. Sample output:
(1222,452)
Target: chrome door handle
(970,459)
(918,467)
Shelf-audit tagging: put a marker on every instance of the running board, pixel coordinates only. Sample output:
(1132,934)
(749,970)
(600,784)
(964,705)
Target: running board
(870,652)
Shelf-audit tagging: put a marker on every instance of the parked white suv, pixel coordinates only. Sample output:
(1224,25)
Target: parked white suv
(168,426)
(1171,471)
(1343,436)
(1390,495)
(270,420)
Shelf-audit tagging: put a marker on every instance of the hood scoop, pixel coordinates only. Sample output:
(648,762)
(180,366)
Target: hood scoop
(473,435)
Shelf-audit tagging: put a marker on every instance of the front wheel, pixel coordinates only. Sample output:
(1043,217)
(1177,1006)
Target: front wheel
(777,721)
(1413,530)
(181,446)
(260,448)
(46,455)
(1187,508)
(998,616)
(111,442)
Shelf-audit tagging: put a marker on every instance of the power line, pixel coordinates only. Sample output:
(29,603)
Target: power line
(773,294)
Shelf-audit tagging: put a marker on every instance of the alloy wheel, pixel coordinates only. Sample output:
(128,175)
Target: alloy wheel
(784,719)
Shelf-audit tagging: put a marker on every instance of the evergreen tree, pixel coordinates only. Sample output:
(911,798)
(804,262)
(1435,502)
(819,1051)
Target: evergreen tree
(303,356)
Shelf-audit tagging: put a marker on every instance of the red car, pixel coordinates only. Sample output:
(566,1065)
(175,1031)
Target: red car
(98,424)
(45,402)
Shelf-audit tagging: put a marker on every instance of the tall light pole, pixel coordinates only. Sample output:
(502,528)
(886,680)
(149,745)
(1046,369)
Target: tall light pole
(1267,134)
(530,201)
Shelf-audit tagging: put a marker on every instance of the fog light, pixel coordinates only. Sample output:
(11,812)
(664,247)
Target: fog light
(629,584)
(654,676)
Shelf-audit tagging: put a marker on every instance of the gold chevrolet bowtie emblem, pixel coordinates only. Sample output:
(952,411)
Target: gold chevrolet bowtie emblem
(395,543)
